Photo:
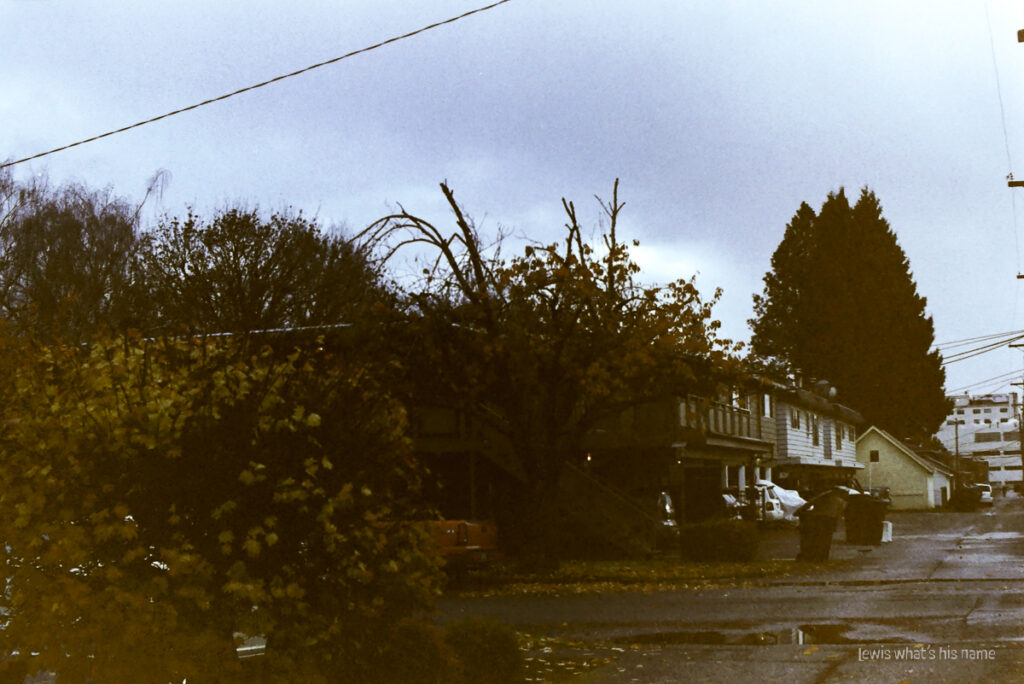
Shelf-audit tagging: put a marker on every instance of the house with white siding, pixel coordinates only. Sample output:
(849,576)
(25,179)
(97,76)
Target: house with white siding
(815,441)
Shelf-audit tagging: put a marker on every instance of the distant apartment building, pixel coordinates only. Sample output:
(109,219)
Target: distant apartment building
(986,426)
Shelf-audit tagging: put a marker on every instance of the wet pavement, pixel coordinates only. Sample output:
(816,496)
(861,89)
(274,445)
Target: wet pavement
(943,602)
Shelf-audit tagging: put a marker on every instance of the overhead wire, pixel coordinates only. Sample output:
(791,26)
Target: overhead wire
(246,89)
(977,351)
(1006,134)
(979,338)
(1012,336)
(987,381)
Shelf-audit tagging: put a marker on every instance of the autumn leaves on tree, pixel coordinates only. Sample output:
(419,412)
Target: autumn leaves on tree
(540,348)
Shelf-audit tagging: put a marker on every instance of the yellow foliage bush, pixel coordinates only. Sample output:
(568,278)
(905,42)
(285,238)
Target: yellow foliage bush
(162,499)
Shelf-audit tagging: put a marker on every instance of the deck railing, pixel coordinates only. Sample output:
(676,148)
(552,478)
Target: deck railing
(716,418)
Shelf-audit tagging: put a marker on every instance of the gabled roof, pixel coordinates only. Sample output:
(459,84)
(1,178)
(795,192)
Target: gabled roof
(807,399)
(927,463)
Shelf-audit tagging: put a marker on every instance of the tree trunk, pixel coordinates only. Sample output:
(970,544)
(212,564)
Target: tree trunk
(536,535)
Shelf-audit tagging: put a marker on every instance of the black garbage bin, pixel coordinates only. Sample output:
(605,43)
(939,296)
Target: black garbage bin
(816,532)
(865,515)
(818,518)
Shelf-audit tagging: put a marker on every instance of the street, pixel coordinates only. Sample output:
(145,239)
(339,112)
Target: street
(943,602)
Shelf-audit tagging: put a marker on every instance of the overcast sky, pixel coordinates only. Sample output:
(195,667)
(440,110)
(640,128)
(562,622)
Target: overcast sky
(719,118)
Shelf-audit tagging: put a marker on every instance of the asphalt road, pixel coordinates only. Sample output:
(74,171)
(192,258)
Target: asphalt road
(943,602)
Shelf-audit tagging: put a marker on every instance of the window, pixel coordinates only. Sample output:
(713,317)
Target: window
(873,456)
(794,418)
(987,437)
(959,412)
(839,436)
(1003,410)
(1013,436)
(988,410)
(814,431)
(975,410)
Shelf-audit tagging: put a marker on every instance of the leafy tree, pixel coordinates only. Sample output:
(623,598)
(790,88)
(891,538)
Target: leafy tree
(541,348)
(64,256)
(240,271)
(161,497)
(840,304)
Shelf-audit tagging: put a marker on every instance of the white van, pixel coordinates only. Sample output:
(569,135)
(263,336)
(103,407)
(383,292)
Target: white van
(775,503)
(986,493)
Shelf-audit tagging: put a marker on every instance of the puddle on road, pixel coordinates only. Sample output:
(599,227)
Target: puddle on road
(803,634)
(994,536)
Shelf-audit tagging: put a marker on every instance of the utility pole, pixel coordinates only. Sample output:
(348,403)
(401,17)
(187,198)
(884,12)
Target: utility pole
(1009,179)
(956,451)
(1020,428)
(1020,276)
(1020,421)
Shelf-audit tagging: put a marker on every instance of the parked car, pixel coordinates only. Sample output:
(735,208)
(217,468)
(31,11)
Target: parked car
(986,493)
(966,497)
(668,531)
(731,508)
(881,493)
(464,543)
(775,503)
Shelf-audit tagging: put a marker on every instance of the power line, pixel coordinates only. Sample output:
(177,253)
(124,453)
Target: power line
(980,338)
(1001,377)
(1006,135)
(258,85)
(977,351)
(999,90)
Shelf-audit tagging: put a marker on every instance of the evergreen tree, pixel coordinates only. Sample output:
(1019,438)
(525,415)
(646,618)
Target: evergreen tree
(840,304)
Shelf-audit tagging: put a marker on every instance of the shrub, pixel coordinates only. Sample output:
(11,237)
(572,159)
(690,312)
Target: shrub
(414,652)
(719,540)
(160,496)
(488,650)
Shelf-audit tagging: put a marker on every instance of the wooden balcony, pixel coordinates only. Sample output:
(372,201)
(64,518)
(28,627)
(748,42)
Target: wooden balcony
(716,421)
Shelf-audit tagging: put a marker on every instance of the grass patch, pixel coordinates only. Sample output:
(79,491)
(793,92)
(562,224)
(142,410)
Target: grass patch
(590,577)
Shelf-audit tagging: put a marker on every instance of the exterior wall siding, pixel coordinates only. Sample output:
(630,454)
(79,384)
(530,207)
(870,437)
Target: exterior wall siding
(847,451)
(782,439)
(910,485)
(798,441)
